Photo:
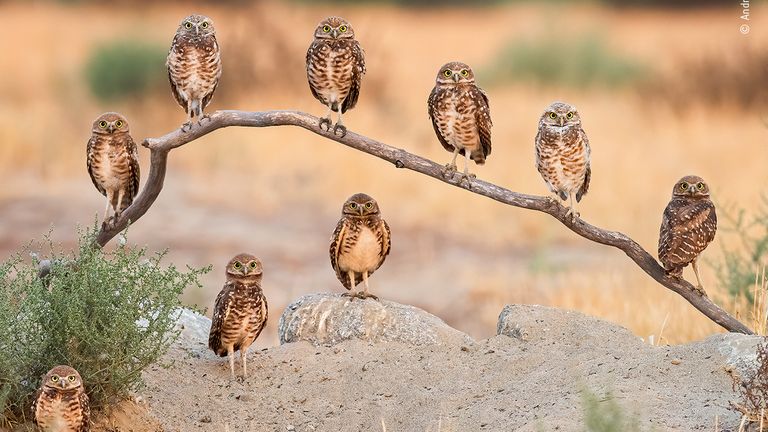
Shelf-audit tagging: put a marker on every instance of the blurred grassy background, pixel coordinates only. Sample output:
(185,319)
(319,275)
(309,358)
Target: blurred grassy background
(663,91)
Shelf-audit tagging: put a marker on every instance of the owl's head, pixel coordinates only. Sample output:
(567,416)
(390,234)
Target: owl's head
(334,28)
(110,123)
(62,378)
(196,26)
(244,266)
(691,186)
(360,205)
(560,114)
(455,73)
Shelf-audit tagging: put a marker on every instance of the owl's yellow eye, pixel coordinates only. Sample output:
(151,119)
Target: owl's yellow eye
(253,264)
(187,25)
(103,124)
(683,186)
(447,73)
(326,28)
(569,115)
(54,378)
(552,115)
(700,185)
(464,72)
(237,265)
(353,205)
(71,378)
(343,29)
(369,205)
(119,124)
(204,25)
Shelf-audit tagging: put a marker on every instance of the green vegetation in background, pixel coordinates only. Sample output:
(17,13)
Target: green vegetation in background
(125,68)
(737,271)
(605,414)
(108,315)
(575,62)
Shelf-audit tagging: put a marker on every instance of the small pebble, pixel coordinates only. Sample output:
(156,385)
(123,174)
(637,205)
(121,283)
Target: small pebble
(676,361)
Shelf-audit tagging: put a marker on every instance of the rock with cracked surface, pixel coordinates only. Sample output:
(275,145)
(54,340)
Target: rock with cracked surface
(327,319)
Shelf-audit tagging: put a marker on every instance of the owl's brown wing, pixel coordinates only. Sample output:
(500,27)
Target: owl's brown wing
(134,173)
(173,62)
(85,410)
(90,155)
(686,230)
(35,401)
(432,110)
(212,60)
(337,240)
(310,55)
(384,237)
(483,120)
(221,310)
(358,70)
(588,175)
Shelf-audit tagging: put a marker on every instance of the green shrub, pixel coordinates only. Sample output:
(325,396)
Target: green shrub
(124,68)
(737,271)
(108,315)
(605,414)
(575,62)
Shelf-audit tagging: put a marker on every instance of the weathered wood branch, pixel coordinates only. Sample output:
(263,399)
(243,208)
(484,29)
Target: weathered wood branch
(160,147)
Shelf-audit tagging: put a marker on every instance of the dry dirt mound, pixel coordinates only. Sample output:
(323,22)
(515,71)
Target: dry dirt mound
(527,378)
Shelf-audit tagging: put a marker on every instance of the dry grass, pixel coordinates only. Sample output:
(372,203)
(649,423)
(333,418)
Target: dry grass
(640,148)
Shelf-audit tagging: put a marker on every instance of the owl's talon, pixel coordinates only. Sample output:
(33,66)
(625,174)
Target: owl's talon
(186,127)
(325,121)
(342,128)
(448,170)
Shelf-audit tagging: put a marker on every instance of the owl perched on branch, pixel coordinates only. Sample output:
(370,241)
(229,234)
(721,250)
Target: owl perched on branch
(460,116)
(113,162)
(335,69)
(194,66)
(563,153)
(687,227)
(240,312)
(61,404)
(360,243)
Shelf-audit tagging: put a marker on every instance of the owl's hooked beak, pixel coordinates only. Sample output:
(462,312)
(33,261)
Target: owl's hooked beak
(456,77)
(62,382)
(562,121)
(692,189)
(111,128)
(335,33)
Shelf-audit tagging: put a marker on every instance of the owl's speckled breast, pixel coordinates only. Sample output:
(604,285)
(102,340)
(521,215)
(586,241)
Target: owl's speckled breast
(363,255)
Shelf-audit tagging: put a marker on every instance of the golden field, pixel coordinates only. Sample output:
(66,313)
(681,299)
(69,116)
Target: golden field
(277,192)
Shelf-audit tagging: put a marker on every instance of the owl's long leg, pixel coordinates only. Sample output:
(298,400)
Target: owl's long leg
(467,175)
(365,294)
(231,357)
(572,213)
(119,208)
(699,286)
(326,120)
(450,168)
(243,359)
(109,204)
(351,294)
(186,126)
(340,125)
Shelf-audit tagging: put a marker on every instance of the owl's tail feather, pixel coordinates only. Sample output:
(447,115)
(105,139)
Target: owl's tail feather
(478,156)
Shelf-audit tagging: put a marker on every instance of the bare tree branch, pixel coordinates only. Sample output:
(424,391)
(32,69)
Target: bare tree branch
(159,148)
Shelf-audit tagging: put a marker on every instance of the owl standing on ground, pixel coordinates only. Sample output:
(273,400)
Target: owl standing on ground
(113,162)
(359,244)
(687,227)
(562,153)
(335,69)
(240,312)
(194,66)
(460,116)
(61,404)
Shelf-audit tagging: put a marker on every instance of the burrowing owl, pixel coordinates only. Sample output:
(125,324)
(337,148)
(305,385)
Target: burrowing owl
(240,312)
(461,116)
(687,227)
(113,161)
(335,69)
(194,65)
(61,404)
(360,243)
(562,153)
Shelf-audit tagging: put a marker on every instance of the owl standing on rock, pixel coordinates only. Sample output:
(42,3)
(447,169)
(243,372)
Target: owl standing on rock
(61,404)
(460,116)
(562,153)
(240,312)
(687,227)
(113,162)
(194,66)
(335,69)
(359,244)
